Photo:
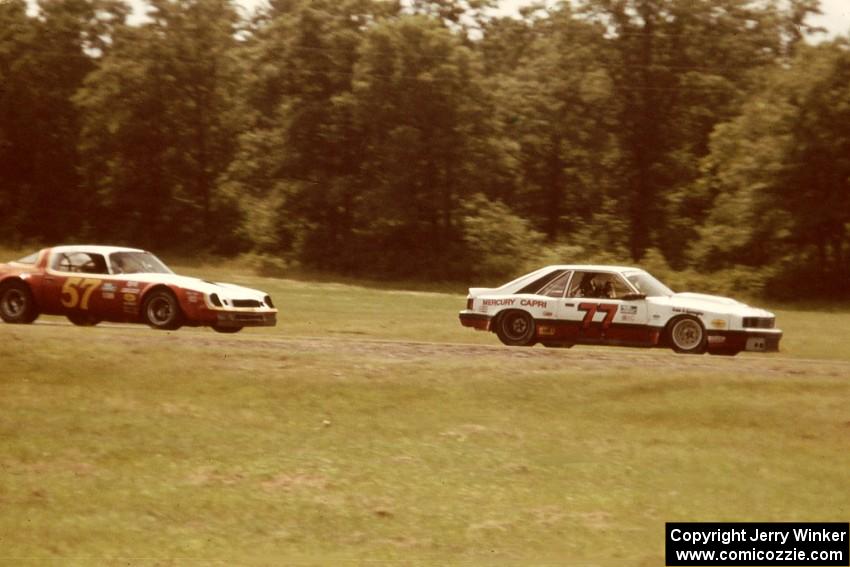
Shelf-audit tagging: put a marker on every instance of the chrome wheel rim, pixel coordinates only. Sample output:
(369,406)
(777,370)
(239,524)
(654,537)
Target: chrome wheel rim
(160,311)
(687,334)
(14,303)
(516,327)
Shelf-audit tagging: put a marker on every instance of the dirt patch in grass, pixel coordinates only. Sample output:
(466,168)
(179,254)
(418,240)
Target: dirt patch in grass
(590,359)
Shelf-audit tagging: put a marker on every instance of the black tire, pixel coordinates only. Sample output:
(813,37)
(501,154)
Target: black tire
(686,335)
(83,319)
(17,305)
(724,352)
(516,328)
(226,330)
(161,310)
(549,344)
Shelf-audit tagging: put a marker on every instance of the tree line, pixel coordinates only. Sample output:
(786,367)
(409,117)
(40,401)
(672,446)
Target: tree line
(429,139)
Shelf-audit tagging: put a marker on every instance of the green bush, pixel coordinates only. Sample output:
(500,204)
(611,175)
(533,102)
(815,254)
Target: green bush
(497,242)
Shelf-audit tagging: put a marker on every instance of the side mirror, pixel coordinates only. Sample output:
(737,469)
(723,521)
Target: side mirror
(633,296)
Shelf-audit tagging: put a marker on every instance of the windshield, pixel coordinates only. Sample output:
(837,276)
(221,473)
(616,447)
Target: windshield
(31,259)
(136,263)
(648,285)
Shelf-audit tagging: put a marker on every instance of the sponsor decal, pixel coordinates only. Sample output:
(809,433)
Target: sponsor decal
(107,290)
(545,331)
(548,314)
(533,303)
(191,297)
(688,311)
(718,323)
(129,290)
(132,284)
(627,318)
(130,297)
(656,316)
(499,301)
(628,309)
(716,339)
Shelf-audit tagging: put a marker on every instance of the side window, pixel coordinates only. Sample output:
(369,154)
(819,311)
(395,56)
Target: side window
(581,284)
(79,262)
(614,287)
(539,283)
(601,285)
(556,287)
(31,259)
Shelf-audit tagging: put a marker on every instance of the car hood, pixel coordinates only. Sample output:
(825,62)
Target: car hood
(710,303)
(225,290)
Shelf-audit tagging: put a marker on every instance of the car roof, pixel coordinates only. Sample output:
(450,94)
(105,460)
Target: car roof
(93,249)
(594,268)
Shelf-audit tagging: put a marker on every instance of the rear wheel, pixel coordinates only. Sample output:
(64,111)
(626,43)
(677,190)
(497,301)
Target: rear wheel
(516,328)
(17,304)
(686,335)
(83,319)
(162,311)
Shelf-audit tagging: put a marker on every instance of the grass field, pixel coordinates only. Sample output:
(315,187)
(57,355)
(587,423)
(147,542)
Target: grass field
(346,434)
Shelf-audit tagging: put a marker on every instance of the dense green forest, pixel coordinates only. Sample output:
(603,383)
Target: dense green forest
(428,139)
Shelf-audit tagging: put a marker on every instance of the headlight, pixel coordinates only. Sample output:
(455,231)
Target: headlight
(215,300)
(268,300)
(759,322)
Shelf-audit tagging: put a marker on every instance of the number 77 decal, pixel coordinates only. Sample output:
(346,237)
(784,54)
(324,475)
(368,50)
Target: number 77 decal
(610,309)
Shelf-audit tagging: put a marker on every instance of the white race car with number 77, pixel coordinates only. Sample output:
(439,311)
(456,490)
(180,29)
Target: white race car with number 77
(564,305)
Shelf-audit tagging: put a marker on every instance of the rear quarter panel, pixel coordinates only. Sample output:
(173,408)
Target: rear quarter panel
(537,306)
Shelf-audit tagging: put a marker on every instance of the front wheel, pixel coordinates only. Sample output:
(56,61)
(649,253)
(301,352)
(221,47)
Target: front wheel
(17,304)
(555,344)
(725,352)
(516,328)
(687,336)
(83,319)
(162,311)
(226,330)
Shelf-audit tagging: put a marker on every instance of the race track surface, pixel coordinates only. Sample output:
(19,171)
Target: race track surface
(579,358)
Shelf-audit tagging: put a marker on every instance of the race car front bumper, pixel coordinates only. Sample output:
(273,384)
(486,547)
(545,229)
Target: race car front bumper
(245,319)
(752,340)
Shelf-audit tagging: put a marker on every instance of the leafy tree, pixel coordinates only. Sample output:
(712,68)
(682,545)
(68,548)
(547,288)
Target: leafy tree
(679,68)
(418,98)
(158,123)
(778,177)
(43,61)
(561,112)
(498,241)
(297,152)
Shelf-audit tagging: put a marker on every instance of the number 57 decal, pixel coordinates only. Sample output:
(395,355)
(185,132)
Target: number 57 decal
(610,309)
(71,292)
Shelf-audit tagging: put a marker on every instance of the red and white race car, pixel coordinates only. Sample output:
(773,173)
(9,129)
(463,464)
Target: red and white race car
(560,306)
(90,284)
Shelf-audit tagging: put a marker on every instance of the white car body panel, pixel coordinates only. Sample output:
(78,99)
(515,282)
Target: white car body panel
(633,321)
